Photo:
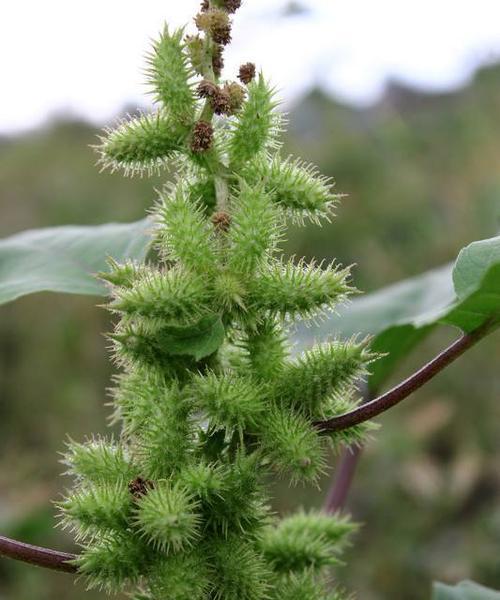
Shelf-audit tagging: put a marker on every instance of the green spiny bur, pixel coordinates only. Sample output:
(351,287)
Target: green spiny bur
(209,399)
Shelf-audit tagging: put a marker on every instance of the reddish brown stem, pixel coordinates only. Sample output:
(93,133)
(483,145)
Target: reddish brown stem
(344,474)
(35,555)
(367,411)
(337,494)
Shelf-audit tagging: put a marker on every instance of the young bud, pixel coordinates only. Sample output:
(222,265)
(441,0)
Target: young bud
(236,96)
(196,51)
(247,73)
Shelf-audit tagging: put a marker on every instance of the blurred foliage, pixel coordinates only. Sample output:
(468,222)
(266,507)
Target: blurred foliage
(422,178)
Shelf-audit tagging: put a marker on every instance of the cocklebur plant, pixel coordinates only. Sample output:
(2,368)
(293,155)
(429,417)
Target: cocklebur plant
(209,398)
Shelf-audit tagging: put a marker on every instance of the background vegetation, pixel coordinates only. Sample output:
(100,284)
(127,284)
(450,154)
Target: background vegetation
(422,178)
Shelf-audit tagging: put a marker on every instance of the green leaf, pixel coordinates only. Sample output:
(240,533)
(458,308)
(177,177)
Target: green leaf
(199,340)
(464,295)
(465,590)
(65,259)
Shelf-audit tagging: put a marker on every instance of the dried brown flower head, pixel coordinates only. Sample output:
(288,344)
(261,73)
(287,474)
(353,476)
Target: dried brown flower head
(232,5)
(207,89)
(221,102)
(221,220)
(203,134)
(139,487)
(247,73)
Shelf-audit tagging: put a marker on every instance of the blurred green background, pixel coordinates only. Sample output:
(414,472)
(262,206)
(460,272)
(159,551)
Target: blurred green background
(421,174)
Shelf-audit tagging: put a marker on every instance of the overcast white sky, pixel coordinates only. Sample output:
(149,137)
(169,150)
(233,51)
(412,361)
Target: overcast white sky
(85,57)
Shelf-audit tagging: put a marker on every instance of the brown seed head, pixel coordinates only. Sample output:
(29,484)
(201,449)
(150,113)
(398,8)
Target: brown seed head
(232,5)
(207,89)
(220,27)
(203,134)
(221,220)
(247,73)
(139,487)
(221,102)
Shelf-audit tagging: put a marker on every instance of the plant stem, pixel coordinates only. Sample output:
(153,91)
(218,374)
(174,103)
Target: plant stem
(344,474)
(36,555)
(337,494)
(375,407)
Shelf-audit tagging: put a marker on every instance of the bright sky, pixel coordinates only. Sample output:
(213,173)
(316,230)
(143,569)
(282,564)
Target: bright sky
(85,57)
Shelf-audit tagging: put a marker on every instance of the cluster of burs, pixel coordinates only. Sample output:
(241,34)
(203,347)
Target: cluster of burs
(210,401)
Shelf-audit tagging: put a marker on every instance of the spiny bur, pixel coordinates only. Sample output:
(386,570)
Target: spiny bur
(210,399)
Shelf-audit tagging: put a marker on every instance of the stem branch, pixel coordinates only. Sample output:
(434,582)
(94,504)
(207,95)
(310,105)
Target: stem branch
(365,412)
(36,555)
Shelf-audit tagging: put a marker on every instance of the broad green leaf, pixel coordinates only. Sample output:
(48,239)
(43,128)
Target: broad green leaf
(198,340)
(464,295)
(465,590)
(65,259)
